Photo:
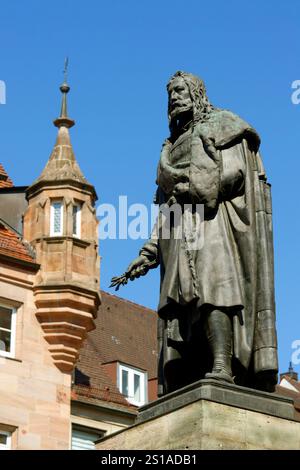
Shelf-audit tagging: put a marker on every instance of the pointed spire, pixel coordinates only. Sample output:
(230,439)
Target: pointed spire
(62,164)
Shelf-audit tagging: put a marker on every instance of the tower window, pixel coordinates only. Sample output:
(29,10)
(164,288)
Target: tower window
(7,331)
(56,218)
(76,216)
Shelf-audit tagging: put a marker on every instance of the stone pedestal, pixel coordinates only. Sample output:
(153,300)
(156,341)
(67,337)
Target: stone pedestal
(211,415)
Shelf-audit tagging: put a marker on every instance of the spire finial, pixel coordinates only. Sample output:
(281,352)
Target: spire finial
(66,69)
(63,119)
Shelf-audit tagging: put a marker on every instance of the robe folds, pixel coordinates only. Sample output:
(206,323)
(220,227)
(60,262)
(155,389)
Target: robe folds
(219,164)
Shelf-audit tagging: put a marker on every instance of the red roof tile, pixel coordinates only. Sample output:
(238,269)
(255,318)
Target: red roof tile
(292,381)
(281,390)
(5,181)
(11,245)
(125,332)
(91,380)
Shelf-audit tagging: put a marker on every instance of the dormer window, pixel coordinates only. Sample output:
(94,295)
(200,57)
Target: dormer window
(56,218)
(132,383)
(76,220)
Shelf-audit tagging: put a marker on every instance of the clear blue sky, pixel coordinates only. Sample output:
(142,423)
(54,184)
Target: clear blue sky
(121,55)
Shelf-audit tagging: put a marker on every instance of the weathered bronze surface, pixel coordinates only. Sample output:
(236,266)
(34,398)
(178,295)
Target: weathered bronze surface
(216,309)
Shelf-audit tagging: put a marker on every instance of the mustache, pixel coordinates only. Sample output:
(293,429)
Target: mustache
(179,103)
(180,106)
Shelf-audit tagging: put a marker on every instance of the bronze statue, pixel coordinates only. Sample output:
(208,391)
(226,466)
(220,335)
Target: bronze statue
(216,309)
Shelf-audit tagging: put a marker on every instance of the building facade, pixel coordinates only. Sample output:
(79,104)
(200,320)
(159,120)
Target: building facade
(116,371)
(71,369)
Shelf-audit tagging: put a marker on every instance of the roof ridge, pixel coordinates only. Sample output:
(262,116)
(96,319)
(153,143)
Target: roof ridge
(128,301)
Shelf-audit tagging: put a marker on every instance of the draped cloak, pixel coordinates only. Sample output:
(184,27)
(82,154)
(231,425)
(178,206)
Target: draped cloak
(220,164)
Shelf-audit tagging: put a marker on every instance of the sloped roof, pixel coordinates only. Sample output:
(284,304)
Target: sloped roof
(62,163)
(282,390)
(125,332)
(91,380)
(5,181)
(290,380)
(12,245)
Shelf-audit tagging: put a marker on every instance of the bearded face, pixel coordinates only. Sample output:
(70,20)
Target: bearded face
(179,97)
(187,94)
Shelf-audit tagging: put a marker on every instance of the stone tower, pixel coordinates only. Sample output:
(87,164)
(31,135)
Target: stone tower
(60,223)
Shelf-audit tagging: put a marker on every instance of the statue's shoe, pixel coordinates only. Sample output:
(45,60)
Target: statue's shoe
(224,376)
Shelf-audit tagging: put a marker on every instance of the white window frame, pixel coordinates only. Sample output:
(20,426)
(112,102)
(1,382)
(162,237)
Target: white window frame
(6,446)
(79,429)
(52,233)
(78,220)
(13,331)
(143,384)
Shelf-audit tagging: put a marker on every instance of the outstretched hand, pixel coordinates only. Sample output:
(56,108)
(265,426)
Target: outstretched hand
(139,267)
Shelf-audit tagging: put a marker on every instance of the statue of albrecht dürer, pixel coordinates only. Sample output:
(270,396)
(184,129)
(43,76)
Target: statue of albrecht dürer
(216,309)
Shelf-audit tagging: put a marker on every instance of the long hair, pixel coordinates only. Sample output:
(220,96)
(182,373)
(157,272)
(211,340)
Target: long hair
(201,105)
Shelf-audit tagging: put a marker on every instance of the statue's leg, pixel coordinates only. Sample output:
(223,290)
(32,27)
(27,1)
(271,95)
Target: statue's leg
(174,373)
(218,327)
(175,360)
